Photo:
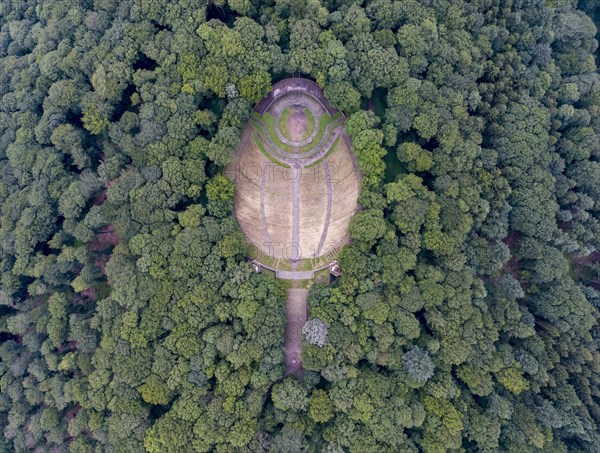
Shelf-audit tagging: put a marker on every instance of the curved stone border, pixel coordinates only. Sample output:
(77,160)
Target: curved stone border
(303,159)
(281,93)
(312,105)
(305,142)
(294,84)
(297,95)
(308,153)
(296,275)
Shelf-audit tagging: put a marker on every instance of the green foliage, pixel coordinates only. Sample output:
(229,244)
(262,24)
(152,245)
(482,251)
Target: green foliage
(369,153)
(416,157)
(418,364)
(192,216)
(254,87)
(465,318)
(220,191)
(321,407)
(368,226)
(343,95)
(290,396)
(93,120)
(155,391)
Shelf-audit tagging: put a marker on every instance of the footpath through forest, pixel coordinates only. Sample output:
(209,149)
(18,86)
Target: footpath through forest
(296,308)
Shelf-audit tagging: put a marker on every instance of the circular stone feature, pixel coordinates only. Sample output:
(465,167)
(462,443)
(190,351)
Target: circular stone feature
(291,106)
(296,123)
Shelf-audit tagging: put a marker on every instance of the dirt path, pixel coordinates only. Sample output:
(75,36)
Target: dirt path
(296,308)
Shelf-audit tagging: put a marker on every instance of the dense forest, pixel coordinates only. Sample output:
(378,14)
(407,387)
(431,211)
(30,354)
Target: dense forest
(466,315)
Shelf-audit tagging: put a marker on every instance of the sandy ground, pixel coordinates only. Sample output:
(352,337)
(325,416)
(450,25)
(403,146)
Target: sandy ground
(297,125)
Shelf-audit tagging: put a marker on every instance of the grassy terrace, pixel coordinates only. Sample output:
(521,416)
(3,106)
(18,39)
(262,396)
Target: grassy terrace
(276,263)
(269,121)
(264,151)
(284,265)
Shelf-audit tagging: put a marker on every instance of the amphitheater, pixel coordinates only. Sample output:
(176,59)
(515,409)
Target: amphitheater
(297,186)
(296,179)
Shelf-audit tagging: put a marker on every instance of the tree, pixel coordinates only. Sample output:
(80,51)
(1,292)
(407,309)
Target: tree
(93,120)
(254,87)
(321,407)
(70,140)
(418,364)
(315,332)
(290,395)
(303,46)
(368,226)
(155,391)
(220,191)
(343,95)
(512,379)
(416,157)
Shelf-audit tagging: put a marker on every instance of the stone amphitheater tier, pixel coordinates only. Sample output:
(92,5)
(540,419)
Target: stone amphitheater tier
(296,208)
